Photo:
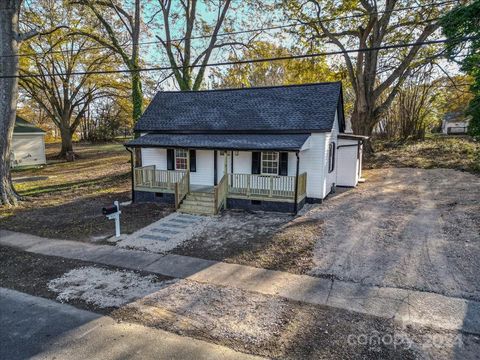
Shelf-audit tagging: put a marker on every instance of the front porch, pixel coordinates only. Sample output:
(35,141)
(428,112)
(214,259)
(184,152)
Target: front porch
(234,186)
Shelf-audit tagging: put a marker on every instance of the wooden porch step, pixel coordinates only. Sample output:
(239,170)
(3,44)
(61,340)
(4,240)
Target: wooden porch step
(201,203)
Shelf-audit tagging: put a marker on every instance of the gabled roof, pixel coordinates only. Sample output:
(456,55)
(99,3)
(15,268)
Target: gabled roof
(23,126)
(277,109)
(277,142)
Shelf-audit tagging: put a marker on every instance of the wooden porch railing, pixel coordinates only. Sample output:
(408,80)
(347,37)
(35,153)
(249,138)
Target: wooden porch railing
(302,186)
(270,186)
(220,194)
(147,178)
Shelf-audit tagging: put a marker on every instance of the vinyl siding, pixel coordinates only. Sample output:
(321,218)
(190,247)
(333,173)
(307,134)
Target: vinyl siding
(28,149)
(348,163)
(312,161)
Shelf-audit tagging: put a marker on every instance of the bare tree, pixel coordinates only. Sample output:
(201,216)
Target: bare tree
(376,75)
(181,53)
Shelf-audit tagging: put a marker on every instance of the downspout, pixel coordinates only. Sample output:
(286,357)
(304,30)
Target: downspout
(295,206)
(131,172)
(215,171)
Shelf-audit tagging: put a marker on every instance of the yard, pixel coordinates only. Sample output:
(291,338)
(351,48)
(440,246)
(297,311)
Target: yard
(64,199)
(407,228)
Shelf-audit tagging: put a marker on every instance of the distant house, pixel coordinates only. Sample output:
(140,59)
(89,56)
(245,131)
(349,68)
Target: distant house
(271,148)
(28,147)
(455,123)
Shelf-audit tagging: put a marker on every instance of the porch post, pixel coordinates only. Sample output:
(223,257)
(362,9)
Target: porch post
(295,203)
(188,160)
(132,163)
(225,163)
(215,172)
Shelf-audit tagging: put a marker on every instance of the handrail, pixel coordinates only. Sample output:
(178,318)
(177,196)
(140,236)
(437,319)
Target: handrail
(220,194)
(182,188)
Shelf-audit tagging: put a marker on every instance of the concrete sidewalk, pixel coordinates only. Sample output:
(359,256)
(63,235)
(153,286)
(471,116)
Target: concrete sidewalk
(38,328)
(408,306)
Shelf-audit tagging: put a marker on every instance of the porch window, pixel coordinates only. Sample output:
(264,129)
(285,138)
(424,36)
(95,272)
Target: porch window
(181,158)
(269,163)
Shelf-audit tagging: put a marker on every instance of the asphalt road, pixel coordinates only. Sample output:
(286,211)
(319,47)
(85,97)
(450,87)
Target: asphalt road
(33,327)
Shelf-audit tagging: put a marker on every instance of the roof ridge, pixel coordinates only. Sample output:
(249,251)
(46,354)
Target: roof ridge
(251,88)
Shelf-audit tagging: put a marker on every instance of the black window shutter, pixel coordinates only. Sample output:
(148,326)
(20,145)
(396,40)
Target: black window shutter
(170,159)
(256,162)
(283,170)
(193,161)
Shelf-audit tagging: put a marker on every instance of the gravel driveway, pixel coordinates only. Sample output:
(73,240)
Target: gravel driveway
(408,228)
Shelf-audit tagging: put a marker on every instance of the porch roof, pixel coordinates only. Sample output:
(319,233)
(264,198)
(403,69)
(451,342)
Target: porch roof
(278,142)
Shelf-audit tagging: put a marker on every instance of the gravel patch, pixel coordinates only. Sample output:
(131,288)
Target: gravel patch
(102,287)
(407,228)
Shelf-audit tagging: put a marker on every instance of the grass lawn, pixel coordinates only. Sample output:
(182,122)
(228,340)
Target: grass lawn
(438,151)
(64,199)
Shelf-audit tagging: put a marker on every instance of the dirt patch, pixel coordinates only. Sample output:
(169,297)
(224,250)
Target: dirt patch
(64,199)
(452,152)
(265,240)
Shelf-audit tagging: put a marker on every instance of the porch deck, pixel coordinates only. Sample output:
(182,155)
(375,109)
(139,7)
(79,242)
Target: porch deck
(239,186)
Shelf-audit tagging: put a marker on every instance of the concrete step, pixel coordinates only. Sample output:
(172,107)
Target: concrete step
(196,212)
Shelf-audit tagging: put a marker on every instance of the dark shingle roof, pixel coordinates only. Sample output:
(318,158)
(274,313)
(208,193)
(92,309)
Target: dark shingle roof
(296,108)
(23,126)
(277,142)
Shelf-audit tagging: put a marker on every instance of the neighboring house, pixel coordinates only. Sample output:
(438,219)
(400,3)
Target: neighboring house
(455,123)
(271,148)
(28,146)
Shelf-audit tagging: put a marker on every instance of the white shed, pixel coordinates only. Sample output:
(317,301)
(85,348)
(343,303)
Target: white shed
(28,146)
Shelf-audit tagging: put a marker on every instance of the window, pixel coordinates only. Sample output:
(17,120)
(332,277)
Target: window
(269,163)
(181,158)
(331,157)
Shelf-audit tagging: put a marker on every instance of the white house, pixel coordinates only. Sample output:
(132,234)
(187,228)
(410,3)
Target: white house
(28,146)
(455,123)
(270,148)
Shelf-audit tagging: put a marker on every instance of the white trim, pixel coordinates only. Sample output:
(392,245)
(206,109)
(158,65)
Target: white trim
(277,161)
(180,157)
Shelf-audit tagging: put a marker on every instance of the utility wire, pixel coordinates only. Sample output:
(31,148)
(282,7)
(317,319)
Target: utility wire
(241,62)
(239,32)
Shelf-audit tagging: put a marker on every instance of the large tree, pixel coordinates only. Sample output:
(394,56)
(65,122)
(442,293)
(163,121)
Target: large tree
(51,81)
(271,73)
(461,22)
(376,75)
(120,26)
(10,39)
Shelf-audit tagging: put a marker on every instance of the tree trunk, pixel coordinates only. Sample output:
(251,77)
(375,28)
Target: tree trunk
(137,96)
(8,94)
(67,144)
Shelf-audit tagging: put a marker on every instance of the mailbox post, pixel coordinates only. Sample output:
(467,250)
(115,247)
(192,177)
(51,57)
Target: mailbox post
(113,213)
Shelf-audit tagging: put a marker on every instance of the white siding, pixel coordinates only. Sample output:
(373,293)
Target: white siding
(155,156)
(312,161)
(28,149)
(204,174)
(348,163)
